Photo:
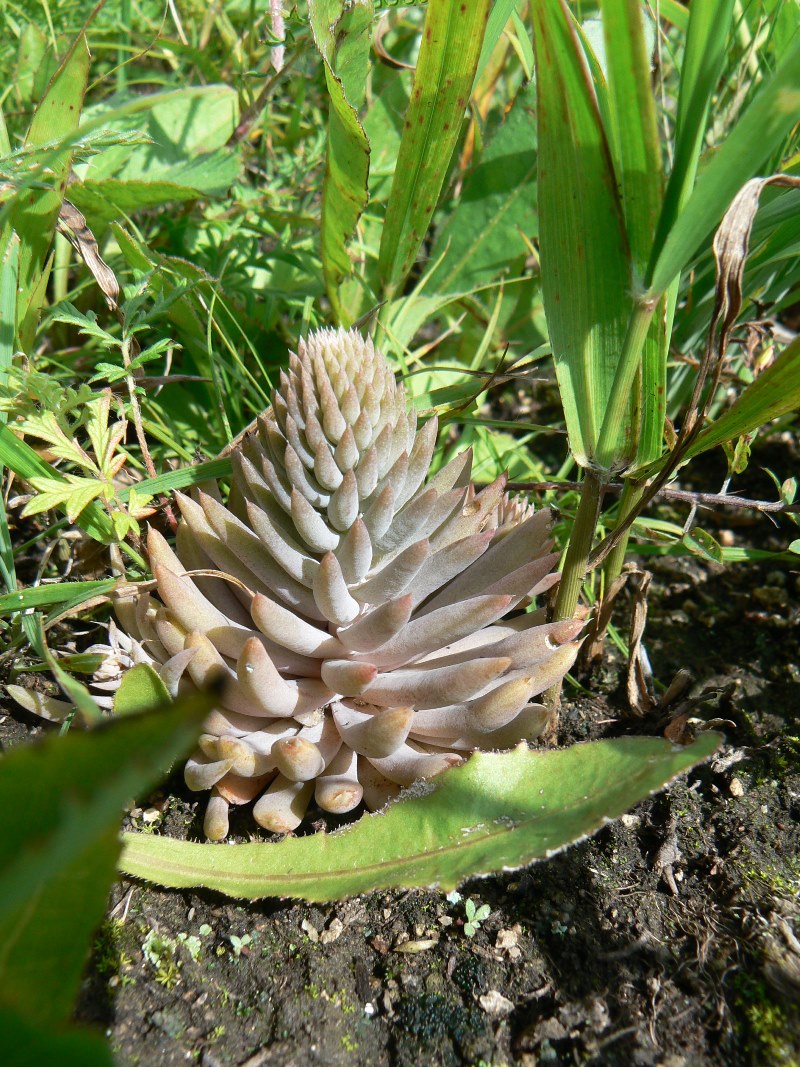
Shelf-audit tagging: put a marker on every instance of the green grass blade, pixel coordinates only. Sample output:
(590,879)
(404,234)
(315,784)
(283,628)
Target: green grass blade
(448,57)
(633,113)
(706,48)
(9,273)
(586,270)
(34,214)
(183,478)
(775,392)
(497,812)
(760,131)
(58,853)
(342,34)
(502,11)
(45,596)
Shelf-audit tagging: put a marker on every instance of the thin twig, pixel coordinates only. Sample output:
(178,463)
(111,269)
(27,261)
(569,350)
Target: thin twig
(708,500)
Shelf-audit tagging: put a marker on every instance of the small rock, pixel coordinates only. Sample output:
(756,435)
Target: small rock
(736,788)
(422,945)
(631,822)
(333,933)
(310,931)
(495,1004)
(506,939)
(151,815)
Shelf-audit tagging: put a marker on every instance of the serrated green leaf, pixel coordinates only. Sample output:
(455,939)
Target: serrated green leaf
(58,853)
(342,34)
(26,464)
(496,812)
(73,495)
(452,37)
(586,268)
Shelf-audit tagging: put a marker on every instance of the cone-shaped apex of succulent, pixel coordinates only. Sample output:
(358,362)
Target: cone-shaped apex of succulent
(368,620)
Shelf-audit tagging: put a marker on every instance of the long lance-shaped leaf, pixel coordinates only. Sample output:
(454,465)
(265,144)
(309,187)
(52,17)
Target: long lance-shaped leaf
(448,57)
(497,812)
(706,47)
(775,392)
(633,114)
(760,131)
(342,33)
(58,852)
(586,269)
(35,212)
(44,596)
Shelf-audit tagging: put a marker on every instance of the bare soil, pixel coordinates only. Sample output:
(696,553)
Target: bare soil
(668,939)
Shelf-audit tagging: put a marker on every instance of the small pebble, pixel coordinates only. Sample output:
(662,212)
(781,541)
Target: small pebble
(736,788)
(494,1003)
(333,933)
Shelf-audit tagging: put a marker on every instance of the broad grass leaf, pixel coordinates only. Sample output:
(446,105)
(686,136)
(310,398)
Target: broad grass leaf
(496,812)
(586,267)
(483,237)
(58,852)
(342,34)
(452,37)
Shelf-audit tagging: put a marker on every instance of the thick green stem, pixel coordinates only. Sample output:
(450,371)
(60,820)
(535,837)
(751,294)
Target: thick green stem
(631,495)
(608,450)
(580,545)
(574,570)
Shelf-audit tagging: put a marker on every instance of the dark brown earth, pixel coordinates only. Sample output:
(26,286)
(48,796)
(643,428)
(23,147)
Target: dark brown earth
(669,939)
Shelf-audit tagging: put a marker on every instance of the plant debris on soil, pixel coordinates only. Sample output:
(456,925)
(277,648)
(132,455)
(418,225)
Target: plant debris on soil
(670,938)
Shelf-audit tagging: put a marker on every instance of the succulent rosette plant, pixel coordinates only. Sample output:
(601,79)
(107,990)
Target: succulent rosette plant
(358,614)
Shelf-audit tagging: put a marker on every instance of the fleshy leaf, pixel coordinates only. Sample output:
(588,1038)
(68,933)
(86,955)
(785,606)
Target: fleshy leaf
(496,812)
